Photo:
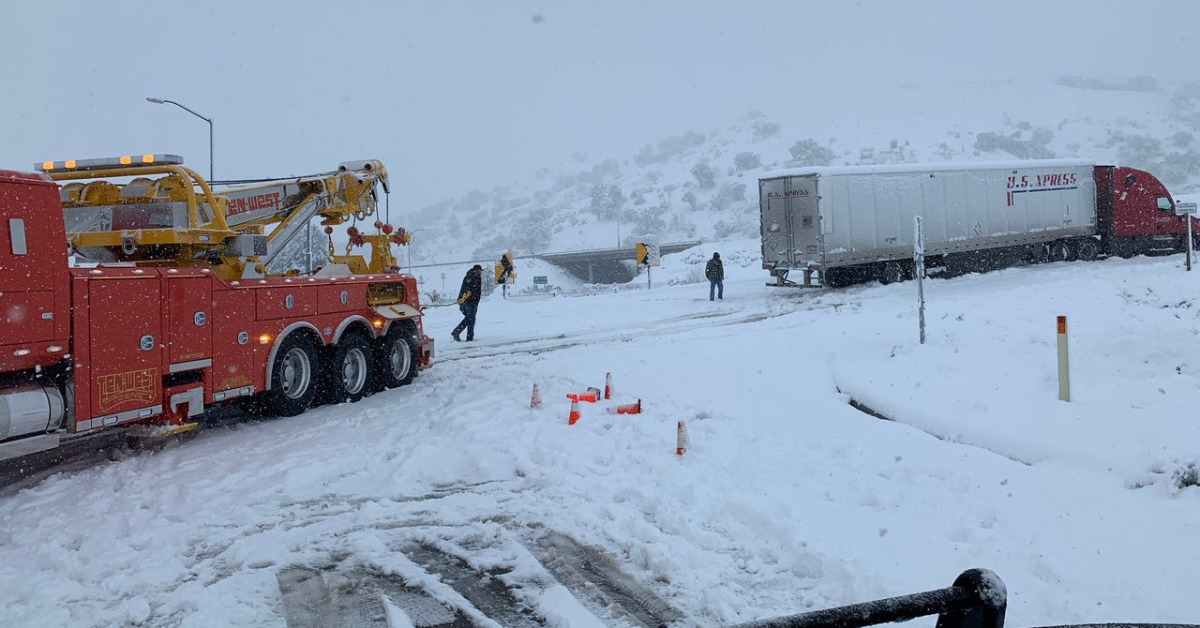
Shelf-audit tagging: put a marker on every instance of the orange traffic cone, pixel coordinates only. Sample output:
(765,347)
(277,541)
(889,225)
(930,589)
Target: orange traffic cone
(629,408)
(574,416)
(591,396)
(682,443)
(536,400)
(608,385)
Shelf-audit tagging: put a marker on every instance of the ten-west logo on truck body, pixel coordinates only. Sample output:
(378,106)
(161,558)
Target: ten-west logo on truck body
(118,388)
(269,200)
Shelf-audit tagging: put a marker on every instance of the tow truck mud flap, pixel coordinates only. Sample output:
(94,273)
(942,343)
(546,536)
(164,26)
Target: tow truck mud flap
(399,312)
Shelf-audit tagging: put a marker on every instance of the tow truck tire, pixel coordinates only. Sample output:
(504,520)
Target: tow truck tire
(293,377)
(351,371)
(395,359)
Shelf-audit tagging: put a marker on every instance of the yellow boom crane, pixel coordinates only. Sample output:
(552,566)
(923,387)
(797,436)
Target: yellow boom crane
(150,210)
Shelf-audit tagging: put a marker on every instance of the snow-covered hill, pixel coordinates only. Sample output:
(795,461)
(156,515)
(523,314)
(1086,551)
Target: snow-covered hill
(702,184)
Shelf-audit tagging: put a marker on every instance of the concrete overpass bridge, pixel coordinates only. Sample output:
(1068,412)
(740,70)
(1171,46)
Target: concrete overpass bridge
(606,265)
(593,266)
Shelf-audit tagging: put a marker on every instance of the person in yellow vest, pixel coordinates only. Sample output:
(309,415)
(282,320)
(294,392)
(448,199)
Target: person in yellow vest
(507,267)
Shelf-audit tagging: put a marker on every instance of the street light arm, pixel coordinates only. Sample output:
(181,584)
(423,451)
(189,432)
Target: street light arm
(159,101)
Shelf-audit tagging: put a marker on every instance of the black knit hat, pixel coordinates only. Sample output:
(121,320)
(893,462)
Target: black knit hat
(477,267)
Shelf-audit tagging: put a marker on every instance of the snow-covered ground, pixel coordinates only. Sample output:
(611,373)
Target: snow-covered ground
(788,500)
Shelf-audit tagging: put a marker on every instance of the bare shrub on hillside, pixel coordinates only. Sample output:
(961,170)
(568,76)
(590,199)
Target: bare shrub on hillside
(729,194)
(704,175)
(764,129)
(810,153)
(667,148)
(1037,147)
(746,161)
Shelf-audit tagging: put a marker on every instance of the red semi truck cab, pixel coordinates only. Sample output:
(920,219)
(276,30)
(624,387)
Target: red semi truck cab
(1135,213)
(89,346)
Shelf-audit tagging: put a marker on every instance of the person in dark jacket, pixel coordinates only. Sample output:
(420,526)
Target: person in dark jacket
(715,272)
(468,302)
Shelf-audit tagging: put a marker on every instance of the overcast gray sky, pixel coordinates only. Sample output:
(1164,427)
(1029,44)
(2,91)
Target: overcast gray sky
(456,95)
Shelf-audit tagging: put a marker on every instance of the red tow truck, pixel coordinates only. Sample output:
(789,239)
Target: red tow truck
(127,300)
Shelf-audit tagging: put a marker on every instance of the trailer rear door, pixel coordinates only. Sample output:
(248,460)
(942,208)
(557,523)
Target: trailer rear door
(790,224)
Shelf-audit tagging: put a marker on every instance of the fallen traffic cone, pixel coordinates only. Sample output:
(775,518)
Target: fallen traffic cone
(536,400)
(682,443)
(608,385)
(592,395)
(574,416)
(629,408)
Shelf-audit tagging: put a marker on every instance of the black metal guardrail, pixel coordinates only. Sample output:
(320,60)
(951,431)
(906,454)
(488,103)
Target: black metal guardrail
(977,599)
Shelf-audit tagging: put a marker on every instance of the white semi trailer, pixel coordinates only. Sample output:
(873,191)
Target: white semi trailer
(838,225)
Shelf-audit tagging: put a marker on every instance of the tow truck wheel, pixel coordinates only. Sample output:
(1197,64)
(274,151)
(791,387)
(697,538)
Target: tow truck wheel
(293,377)
(350,375)
(395,359)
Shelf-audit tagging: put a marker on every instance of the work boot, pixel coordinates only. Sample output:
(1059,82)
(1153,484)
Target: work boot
(455,336)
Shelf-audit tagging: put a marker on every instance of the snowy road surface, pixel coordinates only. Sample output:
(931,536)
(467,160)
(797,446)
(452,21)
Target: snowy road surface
(453,496)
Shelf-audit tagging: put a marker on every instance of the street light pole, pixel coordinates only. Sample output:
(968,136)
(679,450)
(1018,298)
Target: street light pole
(160,101)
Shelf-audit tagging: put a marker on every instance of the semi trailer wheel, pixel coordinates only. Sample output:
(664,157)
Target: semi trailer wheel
(1039,253)
(293,377)
(1087,250)
(892,272)
(1060,251)
(350,376)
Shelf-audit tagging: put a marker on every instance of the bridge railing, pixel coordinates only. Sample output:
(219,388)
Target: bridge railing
(977,599)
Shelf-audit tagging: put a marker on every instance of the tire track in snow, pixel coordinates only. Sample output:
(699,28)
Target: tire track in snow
(662,327)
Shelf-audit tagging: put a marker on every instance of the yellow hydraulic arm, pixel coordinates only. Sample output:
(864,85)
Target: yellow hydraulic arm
(164,214)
